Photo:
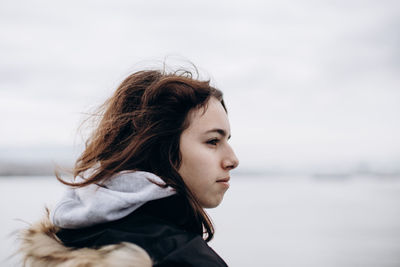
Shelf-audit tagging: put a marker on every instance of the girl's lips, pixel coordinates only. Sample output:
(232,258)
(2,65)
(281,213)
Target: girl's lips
(224,180)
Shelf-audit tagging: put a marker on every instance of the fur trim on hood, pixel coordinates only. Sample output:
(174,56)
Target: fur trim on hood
(39,246)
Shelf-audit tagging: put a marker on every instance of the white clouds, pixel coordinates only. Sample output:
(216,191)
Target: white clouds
(304,80)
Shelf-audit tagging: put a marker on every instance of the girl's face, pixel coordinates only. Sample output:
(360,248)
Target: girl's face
(207,157)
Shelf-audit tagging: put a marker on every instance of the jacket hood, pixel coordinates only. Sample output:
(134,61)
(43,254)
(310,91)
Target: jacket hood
(114,199)
(40,247)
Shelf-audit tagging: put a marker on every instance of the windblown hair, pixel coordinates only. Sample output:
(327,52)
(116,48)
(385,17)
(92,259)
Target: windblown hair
(140,129)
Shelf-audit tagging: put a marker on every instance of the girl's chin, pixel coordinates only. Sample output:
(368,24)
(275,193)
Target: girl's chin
(211,204)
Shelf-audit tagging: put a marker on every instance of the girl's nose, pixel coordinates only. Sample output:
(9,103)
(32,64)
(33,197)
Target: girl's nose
(230,161)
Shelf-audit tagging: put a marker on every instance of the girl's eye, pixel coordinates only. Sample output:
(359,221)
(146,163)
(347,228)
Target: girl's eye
(213,142)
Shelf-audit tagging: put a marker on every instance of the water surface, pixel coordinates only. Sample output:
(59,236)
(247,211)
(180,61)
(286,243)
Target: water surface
(265,221)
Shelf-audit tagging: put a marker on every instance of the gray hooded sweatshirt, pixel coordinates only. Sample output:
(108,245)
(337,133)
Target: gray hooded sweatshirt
(116,198)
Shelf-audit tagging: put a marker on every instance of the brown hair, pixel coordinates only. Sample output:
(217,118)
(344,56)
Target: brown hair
(140,129)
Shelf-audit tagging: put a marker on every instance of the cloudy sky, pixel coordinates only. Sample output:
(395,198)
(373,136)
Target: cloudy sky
(307,83)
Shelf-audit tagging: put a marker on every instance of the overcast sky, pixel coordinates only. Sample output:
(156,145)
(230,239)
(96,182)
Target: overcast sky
(306,82)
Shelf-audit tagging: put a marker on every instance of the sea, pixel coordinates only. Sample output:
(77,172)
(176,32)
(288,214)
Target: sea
(264,220)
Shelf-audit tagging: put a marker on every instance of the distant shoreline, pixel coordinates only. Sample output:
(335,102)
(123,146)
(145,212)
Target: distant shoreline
(12,169)
(30,169)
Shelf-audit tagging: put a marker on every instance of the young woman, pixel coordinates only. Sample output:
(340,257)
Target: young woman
(158,157)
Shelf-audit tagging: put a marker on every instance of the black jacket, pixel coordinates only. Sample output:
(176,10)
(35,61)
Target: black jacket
(161,227)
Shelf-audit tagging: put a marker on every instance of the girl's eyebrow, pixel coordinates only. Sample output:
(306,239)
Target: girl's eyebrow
(219,131)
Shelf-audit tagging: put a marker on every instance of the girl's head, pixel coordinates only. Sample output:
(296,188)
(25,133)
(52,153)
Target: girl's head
(206,156)
(171,125)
